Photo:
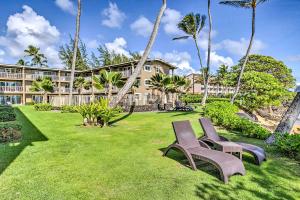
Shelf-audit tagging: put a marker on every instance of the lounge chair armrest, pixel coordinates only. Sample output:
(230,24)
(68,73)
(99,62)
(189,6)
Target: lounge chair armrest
(203,144)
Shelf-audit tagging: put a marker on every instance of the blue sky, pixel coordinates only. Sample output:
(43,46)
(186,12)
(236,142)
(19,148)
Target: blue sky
(125,25)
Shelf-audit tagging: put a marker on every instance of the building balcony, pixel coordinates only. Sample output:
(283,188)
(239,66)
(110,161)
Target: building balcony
(5,75)
(11,89)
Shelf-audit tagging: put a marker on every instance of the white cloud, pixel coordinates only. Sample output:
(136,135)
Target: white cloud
(66,5)
(170,20)
(217,60)
(92,44)
(2,53)
(239,47)
(114,16)
(142,26)
(118,46)
(181,60)
(294,58)
(28,28)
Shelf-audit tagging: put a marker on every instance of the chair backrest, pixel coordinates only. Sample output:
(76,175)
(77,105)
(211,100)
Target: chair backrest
(177,103)
(209,130)
(185,135)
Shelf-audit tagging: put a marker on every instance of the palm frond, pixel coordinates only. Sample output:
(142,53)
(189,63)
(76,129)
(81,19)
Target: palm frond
(238,3)
(181,38)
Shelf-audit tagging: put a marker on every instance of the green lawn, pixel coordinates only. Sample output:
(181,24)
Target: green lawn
(59,159)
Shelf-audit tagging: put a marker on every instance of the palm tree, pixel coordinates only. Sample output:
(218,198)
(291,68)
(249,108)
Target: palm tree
(192,24)
(177,85)
(75,50)
(249,4)
(22,62)
(206,75)
(162,83)
(80,83)
(108,80)
(37,58)
(143,59)
(44,86)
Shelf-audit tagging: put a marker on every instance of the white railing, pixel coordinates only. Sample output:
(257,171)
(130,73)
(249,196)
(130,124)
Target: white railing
(11,75)
(11,89)
(40,76)
(65,78)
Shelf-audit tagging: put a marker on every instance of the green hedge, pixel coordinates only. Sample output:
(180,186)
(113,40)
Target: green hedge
(7,113)
(42,107)
(224,114)
(196,98)
(10,131)
(288,145)
(68,109)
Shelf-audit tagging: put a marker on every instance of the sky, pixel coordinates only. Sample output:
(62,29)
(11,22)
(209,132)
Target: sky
(125,25)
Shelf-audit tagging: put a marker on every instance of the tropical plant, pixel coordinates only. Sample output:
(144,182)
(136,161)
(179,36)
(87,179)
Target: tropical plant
(223,76)
(162,83)
(42,107)
(80,83)
(37,58)
(192,24)
(44,85)
(248,4)
(22,62)
(137,70)
(75,50)
(66,55)
(177,85)
(108,80)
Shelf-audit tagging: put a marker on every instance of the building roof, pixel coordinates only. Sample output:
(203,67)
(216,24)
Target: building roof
(96,68)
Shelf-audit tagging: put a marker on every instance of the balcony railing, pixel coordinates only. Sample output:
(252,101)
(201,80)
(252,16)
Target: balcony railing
(11,89)
(11,75)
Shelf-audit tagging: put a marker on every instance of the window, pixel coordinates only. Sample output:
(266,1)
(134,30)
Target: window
(157,70)
(147,82)
(147,68)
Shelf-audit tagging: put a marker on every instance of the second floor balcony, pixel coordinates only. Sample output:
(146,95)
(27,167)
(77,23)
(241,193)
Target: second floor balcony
(11,89)
(6,75)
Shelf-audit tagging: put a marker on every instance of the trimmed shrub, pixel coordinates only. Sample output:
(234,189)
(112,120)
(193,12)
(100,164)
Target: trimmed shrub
(288,144)
(196,98)
(10,131)
(224,114)
(42,107)
(68,109)
(7,116)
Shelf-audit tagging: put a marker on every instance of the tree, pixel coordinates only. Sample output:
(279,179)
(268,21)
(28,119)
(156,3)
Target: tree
(80,83)
(108,80)
(192,24)
(143,59)
(288,119)
(162,83)
(177,85)
(248,4)
(75,50)
(37,58)
(22,62)
(269,65)
(44,86)
(222,76)
(66,55)
(206,74)
(261,90)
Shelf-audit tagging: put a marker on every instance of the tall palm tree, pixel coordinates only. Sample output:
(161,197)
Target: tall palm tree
(75,50)
(206,75)
(44,86)
(248,4)
(108,80)
(192,24)
(143,59)
(177,85)
(37,58)
(162,83)
(80,83)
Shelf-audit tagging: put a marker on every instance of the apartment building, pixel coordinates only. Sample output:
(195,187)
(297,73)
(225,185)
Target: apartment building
(213,89)
(16,81)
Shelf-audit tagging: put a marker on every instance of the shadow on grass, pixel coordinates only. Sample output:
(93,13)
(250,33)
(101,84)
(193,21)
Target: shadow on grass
(121,118)
(201,165)
(30,133)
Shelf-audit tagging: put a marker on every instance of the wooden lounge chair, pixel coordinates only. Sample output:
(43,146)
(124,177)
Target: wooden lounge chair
(180,107)
(212,138)
(188,144)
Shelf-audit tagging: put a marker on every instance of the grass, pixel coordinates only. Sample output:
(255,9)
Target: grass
(60,159)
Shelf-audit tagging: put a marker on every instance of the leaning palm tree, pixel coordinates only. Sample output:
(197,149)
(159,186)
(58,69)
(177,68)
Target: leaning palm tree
(75,50)
(249,4)
(80,83)
(192,24)
(143,59)
(108,80)
(44,86)
(37,58)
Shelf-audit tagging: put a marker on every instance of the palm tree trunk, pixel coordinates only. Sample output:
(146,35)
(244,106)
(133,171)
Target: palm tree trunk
(246,58)
(45,97)
(79,97)
(75,50)
(142,61)
(206,80)
(288,119)
(109,91)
